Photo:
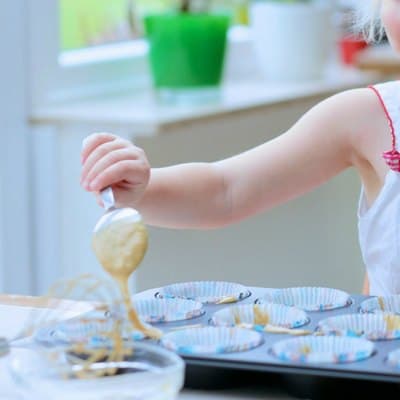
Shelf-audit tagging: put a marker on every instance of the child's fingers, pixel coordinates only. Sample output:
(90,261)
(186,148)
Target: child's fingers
(106,161)
(94,140)
(116,172)
(99,152)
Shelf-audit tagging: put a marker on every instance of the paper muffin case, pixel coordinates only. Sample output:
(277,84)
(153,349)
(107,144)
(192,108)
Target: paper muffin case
(167,310)
(379,304)
(370,326)
(323,349)
(393,358)
(308,298)
(211,340)
(215,292)
(257,316)
(89,331)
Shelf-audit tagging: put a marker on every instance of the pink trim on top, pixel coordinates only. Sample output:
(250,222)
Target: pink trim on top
(392,157)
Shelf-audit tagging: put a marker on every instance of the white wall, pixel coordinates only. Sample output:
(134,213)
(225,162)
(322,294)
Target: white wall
(15,191)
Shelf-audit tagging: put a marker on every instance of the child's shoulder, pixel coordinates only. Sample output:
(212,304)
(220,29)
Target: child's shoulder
(362,105)
(364,114)
(373,97)
(358,118)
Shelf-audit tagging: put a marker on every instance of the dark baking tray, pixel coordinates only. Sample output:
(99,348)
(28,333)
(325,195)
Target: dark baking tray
(261,364)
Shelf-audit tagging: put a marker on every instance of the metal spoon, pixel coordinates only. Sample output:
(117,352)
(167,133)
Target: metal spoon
(125,215)
(114,214)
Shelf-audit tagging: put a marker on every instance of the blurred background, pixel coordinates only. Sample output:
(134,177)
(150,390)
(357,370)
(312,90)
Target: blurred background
(194,80)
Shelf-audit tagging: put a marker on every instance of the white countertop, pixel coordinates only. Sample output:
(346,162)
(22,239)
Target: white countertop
(145,114)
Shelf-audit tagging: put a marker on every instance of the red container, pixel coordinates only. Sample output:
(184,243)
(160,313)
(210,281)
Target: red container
(349,47)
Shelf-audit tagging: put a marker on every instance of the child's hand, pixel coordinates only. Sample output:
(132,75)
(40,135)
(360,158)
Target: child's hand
(108,160)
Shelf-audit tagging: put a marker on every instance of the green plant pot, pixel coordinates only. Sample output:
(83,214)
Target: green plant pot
(187,50)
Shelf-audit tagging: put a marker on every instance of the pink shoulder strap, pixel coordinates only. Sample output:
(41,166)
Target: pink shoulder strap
(392,156)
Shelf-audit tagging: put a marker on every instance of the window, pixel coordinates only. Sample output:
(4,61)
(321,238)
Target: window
(86,23)
(90,47)
(62,67)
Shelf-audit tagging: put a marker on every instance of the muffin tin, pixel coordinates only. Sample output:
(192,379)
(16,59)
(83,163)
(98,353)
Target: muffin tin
(257,355)
(262,360)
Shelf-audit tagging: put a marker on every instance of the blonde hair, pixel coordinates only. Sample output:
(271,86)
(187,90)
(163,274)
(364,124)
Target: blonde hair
(367,19)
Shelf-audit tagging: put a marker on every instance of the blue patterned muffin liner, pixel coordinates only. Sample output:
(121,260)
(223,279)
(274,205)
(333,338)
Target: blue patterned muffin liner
(211,340)
(380,304)
(308,298)
(257,316)
(393,358)
(370,326)
(90,331)
(323,349)
(167,310)
(214,292)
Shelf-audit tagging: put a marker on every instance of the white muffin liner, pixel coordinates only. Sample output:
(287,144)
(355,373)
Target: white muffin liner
(215,292)
(370,326)
(257,316)
(380,304)
(393,358)
(323,349)
(89,331)
(211,340)
(308,298)
(167,310)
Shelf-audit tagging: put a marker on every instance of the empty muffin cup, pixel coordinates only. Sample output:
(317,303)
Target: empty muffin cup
(211,340)
(214,292)
(167,310)
(308,298)
(258,316)
(370,326)
(320,349)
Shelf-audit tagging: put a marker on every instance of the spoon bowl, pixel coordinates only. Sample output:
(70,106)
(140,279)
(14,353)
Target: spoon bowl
(113,214)
(128,215)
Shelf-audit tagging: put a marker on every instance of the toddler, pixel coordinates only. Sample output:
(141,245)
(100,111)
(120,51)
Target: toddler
(357,129)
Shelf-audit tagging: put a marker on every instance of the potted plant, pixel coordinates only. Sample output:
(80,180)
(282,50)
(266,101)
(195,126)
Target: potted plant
(187,46)
(292,38)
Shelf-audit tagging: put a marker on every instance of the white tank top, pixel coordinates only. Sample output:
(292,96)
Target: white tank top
(379,225)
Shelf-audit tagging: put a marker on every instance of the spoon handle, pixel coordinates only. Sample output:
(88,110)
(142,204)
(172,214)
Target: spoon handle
(107,196)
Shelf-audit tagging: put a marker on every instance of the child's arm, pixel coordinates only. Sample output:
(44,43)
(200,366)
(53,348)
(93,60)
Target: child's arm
(204,195)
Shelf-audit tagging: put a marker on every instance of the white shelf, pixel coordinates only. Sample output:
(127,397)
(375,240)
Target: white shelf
(143,114)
